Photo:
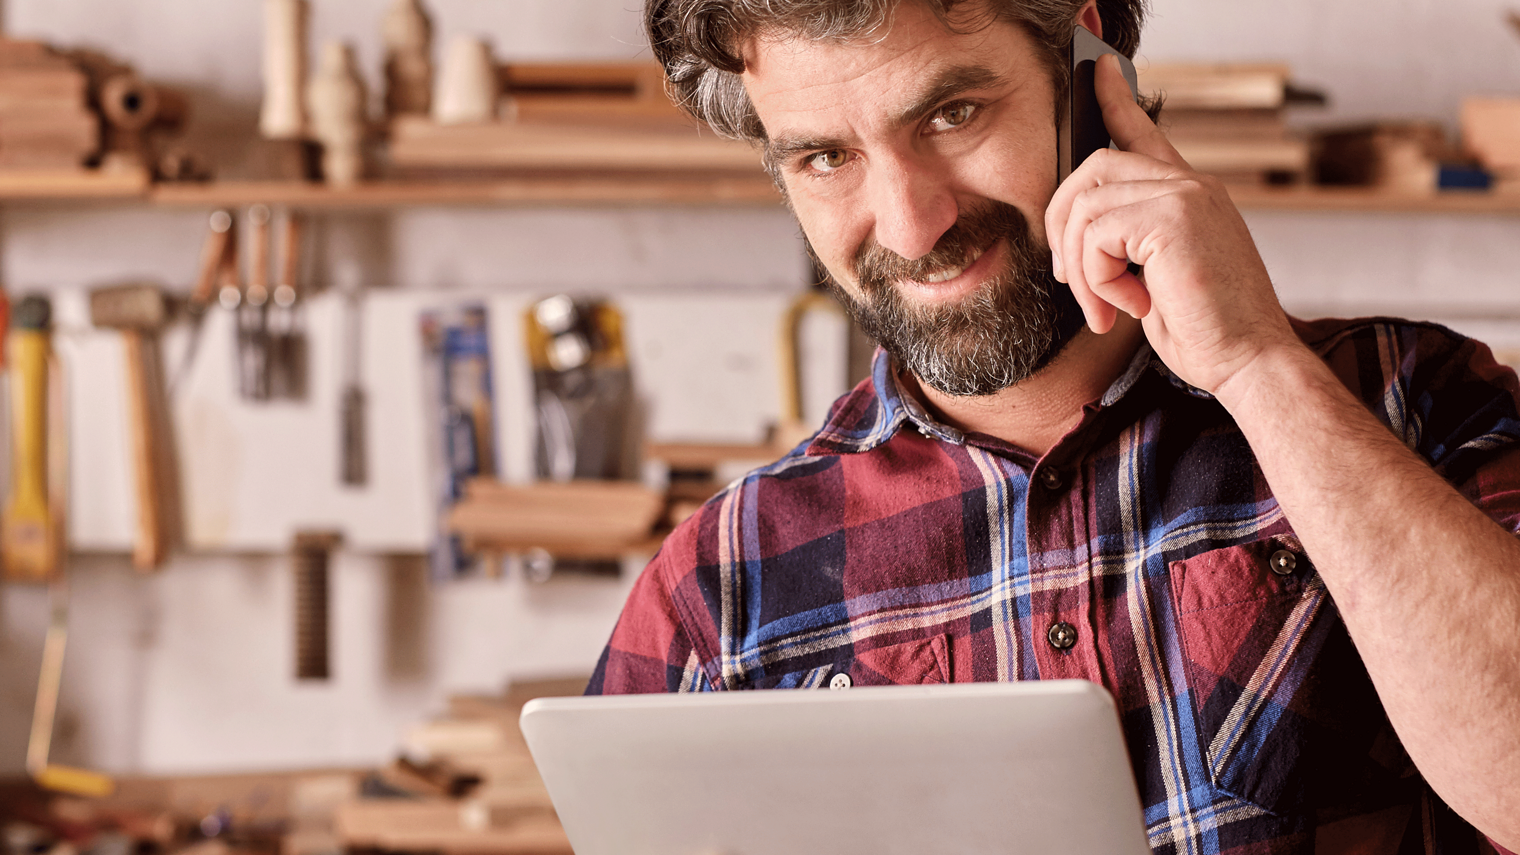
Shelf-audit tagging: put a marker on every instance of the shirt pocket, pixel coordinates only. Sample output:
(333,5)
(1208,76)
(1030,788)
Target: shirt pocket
(908,663)
(1247,623)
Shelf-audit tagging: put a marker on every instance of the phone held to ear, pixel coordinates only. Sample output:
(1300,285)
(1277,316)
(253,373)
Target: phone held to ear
(1081,130)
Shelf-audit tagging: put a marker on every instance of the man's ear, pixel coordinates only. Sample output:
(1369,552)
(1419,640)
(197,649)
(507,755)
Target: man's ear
(1088,17)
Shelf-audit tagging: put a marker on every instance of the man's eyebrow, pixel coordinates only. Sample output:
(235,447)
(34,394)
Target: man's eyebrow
(948,83)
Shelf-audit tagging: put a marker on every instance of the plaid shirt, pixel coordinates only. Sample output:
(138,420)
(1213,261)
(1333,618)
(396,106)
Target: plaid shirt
(1144,552)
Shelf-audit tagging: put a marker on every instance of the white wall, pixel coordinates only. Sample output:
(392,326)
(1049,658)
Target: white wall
(189,669)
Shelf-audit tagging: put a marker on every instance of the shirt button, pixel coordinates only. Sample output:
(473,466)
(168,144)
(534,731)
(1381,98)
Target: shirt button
(1062,636)
(1052,479)
(1283,562)
(841,681)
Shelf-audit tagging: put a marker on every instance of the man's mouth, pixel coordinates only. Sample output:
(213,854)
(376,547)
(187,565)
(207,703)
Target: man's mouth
(948,273)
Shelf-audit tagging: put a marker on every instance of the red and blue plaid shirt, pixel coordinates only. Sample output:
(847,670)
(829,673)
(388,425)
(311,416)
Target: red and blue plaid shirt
(1144,552)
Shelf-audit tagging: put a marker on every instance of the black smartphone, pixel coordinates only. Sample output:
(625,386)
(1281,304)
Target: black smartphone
(1081,130)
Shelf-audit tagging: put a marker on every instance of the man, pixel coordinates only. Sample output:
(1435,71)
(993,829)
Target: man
(1287,548)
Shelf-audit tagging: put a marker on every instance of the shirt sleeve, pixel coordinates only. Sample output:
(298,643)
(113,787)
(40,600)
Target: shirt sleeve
(1446,397)
(650,650)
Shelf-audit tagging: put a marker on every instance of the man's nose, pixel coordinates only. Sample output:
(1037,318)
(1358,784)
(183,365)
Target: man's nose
(913,206)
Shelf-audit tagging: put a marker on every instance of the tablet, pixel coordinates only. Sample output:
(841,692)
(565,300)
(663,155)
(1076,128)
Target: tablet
(965,769)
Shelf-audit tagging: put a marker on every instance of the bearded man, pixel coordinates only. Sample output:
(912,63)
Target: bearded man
(1286,548)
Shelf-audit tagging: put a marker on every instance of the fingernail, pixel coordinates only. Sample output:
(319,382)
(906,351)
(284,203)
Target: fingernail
(1055,266)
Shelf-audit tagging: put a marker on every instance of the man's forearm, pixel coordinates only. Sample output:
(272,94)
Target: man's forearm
(1428,585)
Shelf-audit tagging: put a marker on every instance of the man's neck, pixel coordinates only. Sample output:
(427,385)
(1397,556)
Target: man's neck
(1036,413)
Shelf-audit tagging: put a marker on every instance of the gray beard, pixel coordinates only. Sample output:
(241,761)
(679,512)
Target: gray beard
(999,336)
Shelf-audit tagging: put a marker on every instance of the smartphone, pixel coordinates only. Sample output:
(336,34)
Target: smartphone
(1081,130)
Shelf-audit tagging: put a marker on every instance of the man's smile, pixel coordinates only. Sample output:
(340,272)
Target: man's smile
(947,284)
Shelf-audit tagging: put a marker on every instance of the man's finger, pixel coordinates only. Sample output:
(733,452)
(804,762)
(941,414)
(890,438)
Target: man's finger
(1128,125)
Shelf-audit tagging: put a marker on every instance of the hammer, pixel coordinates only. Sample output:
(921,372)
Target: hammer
(139,311)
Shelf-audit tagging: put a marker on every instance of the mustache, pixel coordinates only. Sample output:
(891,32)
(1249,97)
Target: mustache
(877,268)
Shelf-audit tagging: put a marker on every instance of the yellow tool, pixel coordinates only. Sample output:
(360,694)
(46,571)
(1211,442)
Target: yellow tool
(62,779)
(29,539)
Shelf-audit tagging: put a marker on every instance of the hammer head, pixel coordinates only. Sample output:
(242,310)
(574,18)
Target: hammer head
(129,307)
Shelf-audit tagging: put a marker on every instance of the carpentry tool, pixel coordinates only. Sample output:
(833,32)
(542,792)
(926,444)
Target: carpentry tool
(29,539)
(287,338)
(311,561)
(355,454)
(793,429)
(218,256)
(63,779)
(252,313)
(139,312)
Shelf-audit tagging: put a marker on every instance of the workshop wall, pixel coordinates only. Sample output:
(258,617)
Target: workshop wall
(189,670)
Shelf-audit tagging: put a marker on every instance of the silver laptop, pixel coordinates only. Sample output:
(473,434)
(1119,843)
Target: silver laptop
(967,769)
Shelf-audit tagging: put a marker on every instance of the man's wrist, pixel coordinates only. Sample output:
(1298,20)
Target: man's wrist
(1291,365)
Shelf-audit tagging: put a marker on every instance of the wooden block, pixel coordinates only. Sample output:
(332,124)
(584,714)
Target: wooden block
(417,143)
(1223,124)
(1491,132)
(1231,86)
(603,513)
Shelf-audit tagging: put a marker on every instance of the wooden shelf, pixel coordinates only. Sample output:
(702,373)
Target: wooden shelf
(629,188)
(604,189)
(1368,200)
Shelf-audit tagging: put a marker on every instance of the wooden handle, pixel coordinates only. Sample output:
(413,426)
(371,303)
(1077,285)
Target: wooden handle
(258,265)
(213,255)
(290,255)
(150,546)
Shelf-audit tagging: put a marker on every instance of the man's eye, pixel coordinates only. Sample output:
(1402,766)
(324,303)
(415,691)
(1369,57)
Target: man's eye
(828,161)
(952,116)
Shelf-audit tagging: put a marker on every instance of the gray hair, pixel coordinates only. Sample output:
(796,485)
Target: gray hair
(699,42)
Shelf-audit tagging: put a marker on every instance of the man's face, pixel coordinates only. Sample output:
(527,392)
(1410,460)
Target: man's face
(919,164)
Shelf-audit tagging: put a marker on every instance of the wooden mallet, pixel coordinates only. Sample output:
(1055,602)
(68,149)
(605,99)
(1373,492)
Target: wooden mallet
(139,312)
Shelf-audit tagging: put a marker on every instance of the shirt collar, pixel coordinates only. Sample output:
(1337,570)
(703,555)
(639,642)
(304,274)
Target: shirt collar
(873,411)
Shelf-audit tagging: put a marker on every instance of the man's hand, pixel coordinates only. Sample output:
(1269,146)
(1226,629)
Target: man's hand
(1205,299)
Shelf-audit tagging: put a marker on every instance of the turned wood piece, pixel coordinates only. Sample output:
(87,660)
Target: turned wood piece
(469,87)
(285,26)
(338,101)
(408,35)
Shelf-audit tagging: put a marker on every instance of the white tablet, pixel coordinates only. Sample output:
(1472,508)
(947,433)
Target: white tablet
(966,769)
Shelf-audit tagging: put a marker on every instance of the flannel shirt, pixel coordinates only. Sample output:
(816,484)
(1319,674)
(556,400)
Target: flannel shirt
(895,549)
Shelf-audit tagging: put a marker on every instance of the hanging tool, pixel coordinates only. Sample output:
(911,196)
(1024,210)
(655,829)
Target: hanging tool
(311,562)
(218,256)
(354,461)
(252,312)
(64,779)
(287,338)
(30,537)
(139,312)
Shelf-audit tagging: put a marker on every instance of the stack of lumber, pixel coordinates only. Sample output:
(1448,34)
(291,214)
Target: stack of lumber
(507,811)
(46,122)
(1230,120)
(604,118)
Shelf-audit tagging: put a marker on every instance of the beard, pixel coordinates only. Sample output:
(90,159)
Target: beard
(1013,326)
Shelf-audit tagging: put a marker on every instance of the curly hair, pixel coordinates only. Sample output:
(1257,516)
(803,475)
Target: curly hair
(699,42)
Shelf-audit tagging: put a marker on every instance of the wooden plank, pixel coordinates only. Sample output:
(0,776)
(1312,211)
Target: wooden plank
(707,456)
(1220,86)
(420,143)
(448,826)
(83,184)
